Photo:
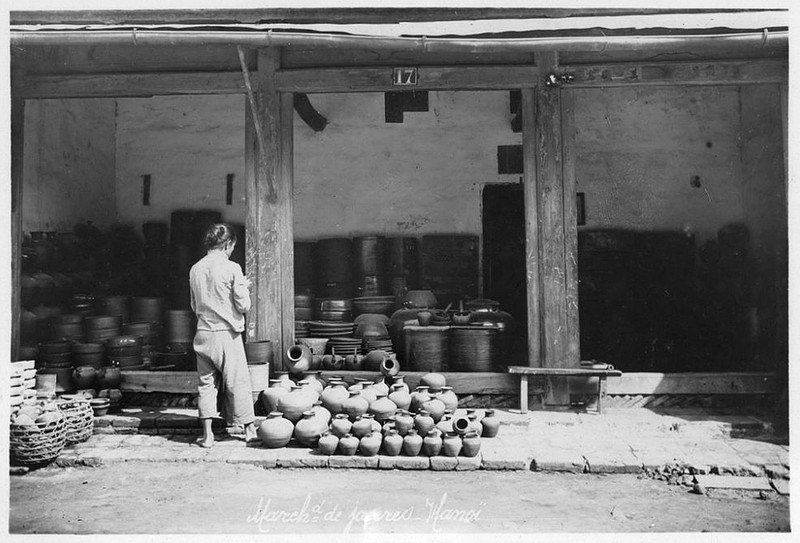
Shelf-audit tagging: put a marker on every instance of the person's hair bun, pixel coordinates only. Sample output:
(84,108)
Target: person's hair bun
(218,235)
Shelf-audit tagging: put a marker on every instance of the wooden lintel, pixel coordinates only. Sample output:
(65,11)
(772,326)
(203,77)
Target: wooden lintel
(128,85)
(678,73)
(379,79)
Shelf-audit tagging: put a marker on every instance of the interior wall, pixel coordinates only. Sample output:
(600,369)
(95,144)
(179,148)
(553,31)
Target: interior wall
(68,168)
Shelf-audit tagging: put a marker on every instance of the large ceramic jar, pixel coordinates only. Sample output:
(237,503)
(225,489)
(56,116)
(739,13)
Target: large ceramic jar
(435,408)
(380,386)
(294,404)
(404,422)
(348,445)
(392,443)
(298,359)
(315,379)
(390,367)
(368,391)
(286,381)
(309,390)
(275,431)
(461,425)
(355,406)
(84,377)
(327,444)
(382,408)
(423,423)
(308,430)
(419,397)
(270,395)
(400,380)
(370,444)
(434,381)
(451,444)
(109,377)
(412,443)
(490,423)
(432,443)
(333,396)
(322,414)
(362,426)
(446,424)
(449,398)
(341,425)
(400,396)
(471,444)
(475,425)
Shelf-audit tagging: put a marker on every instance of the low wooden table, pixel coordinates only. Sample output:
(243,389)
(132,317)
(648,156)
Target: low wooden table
(525,371)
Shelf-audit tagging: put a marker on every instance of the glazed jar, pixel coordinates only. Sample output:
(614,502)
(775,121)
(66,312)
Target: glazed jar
(309,429)
(400,380)
(382,408)
(432,443)
(294,404)
(315,379)
(423,423)
(275,431)
(461,424)
(362,426)
(355,405)
(412,443)
(446,424)
(286,381)
(322,414)
(400,396)
(388,425)
(327,443)
(475,425)
(471,444)
(449,398)
(451,444)
(341,425)
(435,408)
(404,422)
(392,443)
(332,362)
(298,359)
(368,391)
(380,386)
(309,390)
(109,377)
(434,381)
(84,376)
(354,362)
(333,396)
(389,367)
(270,395)
(374,359)
(370,444)
(348,445)
(419,397)
(490,423)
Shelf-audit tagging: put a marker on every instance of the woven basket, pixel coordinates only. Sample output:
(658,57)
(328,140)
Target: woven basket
(39,444)
(79,418)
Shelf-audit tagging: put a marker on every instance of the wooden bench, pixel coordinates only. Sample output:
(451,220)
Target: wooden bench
(525,371)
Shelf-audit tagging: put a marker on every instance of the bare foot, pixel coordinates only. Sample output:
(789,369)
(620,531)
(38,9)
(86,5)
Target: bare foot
(250,434)
(205,443)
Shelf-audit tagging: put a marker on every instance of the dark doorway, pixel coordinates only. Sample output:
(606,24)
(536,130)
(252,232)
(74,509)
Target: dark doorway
(504,273)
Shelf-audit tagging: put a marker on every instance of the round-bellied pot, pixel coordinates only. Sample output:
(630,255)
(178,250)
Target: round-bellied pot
(470,444)
(294,404)
(400,396)
(435,408)
(84,376)
(449,398)
(308,389)
(341,425)
(368,391)
(370,444)
(333,396)
(382,408)
(286,381)
(419,397)
(446,424)
(355,405)
(271,394)
(392,443)
(348,445)
(434,381)
(321,414)
(275,431)
(400,380)
(490,423)
(451,444)
(461,425)
(109,377)
(432,443)
(362,426)
(374,359)
(475,425)
(404,422)
(423,423)
(298,359)
(315,379)
(412,443)
(308,430)
(380,386)
(328,443)
(390,367)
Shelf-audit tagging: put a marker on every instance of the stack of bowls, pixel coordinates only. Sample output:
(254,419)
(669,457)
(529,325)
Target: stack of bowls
(68,328)
(125,352)
(102,328)
(374,336)
(56,358)
(334,309)
(383,305)
(114,305)
(303,307)
(149,333)
(89,354)
(301,329)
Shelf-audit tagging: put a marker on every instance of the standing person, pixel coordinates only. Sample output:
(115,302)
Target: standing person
(220,296)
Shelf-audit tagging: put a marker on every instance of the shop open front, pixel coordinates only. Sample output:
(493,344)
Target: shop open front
(651,233)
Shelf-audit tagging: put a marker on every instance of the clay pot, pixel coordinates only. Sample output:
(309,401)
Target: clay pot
(449,398)
(354,362)
(321,413)
(275,431)
(298,359)
(286,381)
(348,445)
(316,362)
(424,317)
(258,351)
(446,424)
(270,395)
(432,443)
(400,396)
(490,423)
(84,376)
(461,425)
(435,408)
(362,426)
(423,423)
(308,429)
(388,425)
(333,397)
(451,445)
(109,377)
(380,386)
(371,444)
(328,443)
(400,380)
(374,359)
(308,389)
(419,397)
(382,408)
(412,443)
(315,379)
(355,405)
(471,444)
(392,443)
(100,406)
(332,362)
(368,391)
(390,367)
(434,381)
(341,425)
(404,422)
(475,425)
(294,404)
(420,298)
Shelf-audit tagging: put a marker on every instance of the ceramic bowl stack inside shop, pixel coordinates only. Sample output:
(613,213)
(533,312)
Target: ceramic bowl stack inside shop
(304,307)
(339,334)
(374,335)
(125,352)
(55,358)
(68,327)
(102,328)
(334,309)
(150,334)
(301,329)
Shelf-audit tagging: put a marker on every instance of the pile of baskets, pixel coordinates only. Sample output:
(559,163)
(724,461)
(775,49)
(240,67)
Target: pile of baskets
(78,417)
(38,444)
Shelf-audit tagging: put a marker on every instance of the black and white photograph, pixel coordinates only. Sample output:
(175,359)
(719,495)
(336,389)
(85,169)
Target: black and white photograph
(363,271)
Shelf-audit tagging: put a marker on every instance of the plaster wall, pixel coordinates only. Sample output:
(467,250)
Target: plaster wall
(68,168)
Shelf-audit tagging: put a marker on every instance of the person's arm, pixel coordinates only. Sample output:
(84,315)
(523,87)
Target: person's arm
(192,302)
(241,290)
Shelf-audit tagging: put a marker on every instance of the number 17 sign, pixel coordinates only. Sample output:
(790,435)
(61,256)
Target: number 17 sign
(405,76)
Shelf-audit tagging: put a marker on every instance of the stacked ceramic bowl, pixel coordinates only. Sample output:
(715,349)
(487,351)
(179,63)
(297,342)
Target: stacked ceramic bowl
(23,384)
(150,334)
(374,304)
(334,309)
(102,328)
(125,352)
(55,358)
(68,328)
(303,307)
(301,329)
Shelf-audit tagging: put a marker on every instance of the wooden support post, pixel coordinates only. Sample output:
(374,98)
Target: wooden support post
(285,190)
(601,393)
(523,393)
(569,152)
(17,155)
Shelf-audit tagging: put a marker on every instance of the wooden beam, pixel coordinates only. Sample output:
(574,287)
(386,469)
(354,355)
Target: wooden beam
(693,383)
(285,187)
(531,196)
(176,382)
(379,79)
(678,73)
(569,155)
(17,155)
(129,85)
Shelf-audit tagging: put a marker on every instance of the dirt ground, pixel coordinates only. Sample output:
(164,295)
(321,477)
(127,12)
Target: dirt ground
(224,498)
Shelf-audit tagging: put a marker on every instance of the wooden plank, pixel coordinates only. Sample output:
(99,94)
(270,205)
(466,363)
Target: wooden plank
(678,73)
(361,79)
(178,382)
(569,154)
(693,383)
(569,372)
(531,196)
(320,58)
(128,85)
(285,189)
(17,154)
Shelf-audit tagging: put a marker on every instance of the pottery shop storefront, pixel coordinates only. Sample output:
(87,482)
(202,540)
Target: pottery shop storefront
(573,186)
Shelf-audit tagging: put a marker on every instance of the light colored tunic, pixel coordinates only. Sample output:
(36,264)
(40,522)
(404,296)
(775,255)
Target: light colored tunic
(220,297)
